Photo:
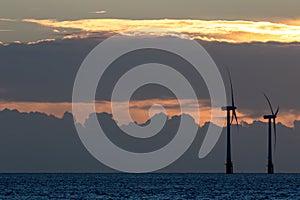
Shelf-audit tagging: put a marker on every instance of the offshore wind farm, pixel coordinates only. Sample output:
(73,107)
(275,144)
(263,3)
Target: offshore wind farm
(131,100)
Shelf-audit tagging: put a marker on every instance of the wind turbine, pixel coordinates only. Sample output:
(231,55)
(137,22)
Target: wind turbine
(231,115)
(271,117)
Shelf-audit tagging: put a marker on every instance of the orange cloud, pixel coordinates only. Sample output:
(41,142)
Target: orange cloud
(139,110)
(56,109)
(40,41)
(238,31)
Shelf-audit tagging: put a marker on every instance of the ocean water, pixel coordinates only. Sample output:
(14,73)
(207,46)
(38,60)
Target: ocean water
(149,186)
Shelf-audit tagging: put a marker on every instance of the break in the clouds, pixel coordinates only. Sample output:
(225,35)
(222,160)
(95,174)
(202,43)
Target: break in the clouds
(139,109)
(237,31)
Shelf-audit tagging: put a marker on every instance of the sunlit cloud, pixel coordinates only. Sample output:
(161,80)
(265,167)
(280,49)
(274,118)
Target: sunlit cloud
(41,41)
(295,21)
(85,34)
(98,12)
(56,109)
(140,110)
(17,42)
(239,31)
(7,20)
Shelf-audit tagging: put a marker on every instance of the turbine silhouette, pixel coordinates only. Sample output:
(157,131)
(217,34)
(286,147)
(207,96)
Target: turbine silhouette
(231,115)
(271,117)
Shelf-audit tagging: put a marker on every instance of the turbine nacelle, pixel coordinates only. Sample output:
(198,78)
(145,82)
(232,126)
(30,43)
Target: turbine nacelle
(225,108)
(270,116)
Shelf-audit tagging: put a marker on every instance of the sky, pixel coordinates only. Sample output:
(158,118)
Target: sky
(259,40)
(43,43)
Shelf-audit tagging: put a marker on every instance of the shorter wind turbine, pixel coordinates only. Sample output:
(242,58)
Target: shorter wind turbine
(271,118)
(230,109)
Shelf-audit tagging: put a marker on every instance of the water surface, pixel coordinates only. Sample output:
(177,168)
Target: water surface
(149,186)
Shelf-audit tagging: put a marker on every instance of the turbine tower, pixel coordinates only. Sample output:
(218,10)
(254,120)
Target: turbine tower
(231,115)
(271,117)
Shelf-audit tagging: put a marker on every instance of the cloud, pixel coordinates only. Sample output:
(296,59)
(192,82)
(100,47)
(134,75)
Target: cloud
(16,42)
(238,31)
(86,34)
(7,20)
(45,72)
(99,12)
(42,143)
(41,41)
(294,21)
(56,109)
(35,142)
(140,110)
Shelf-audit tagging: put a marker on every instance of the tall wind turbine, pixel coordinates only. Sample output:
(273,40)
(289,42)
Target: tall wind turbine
(231,115)
(271,117)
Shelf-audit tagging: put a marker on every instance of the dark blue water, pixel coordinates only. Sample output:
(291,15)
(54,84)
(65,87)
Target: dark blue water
(149,186)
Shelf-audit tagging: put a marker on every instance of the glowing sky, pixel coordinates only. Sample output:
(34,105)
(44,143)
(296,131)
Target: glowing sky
(139,110)
(231,21)
(208,30)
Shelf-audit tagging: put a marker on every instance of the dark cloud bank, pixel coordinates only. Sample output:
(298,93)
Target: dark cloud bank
(35,142)
(45,72)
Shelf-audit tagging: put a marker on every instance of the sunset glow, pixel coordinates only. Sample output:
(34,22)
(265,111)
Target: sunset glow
(139,110)
(238,31)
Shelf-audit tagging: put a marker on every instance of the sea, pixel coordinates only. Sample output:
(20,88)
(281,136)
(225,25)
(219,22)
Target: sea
(149,186)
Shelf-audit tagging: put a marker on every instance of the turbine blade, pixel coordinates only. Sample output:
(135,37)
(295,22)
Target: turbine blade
(277,111)
(231,87)
(236,119)
(232,118)
(270,105)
